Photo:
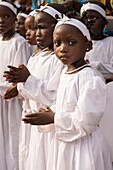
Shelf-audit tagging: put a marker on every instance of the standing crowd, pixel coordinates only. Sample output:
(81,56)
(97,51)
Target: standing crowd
(56,81)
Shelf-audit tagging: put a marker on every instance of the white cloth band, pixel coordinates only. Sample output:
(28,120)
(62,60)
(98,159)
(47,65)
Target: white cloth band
(74,22)
(23,15)
(33,13)
(91,6)
(51,11)
(9,6)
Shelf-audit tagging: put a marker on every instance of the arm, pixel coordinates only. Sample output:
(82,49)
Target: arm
(88,112)
(42,91)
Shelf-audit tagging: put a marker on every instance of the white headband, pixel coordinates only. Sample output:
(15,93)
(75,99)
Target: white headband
(76,23)
(91,6)
(23,15)
(9,6)
(51,11)
(33,13)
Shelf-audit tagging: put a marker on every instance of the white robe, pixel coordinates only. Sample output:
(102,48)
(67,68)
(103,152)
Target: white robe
(12,52)
(106,122)
(39,91)
(79,143)
(101,56)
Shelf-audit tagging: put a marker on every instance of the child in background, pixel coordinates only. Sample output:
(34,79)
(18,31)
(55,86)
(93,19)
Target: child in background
(13,50)
(94,16)
(31,31)
(40,81)
(79,143)
(20,24)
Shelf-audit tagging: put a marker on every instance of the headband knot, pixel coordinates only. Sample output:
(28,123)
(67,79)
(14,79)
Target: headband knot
(76,23)
(51,11)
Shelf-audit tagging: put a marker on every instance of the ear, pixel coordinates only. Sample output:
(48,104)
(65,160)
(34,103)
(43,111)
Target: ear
(88,46)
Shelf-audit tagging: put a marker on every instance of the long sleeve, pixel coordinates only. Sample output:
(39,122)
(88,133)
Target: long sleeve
(85,118)
(42,90)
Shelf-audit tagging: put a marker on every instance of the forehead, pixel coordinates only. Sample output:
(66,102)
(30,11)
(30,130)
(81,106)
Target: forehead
(4,9)
(29,19)
(67,30)
(44,17)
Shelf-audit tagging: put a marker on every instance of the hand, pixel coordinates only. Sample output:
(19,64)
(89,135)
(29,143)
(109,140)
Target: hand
(17,75)
(43,117)
(10,92)
(108,80)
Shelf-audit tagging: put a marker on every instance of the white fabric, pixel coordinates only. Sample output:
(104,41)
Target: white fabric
(106,123)
(39,91)
(91,6)
(33,13)
(23,15)
(9,6)
(14,52)
(101,56)
(79,143)
(75,23)
(51,11)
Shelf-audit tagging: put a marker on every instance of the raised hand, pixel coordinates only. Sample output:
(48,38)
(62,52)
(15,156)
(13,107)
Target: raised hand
(17,74)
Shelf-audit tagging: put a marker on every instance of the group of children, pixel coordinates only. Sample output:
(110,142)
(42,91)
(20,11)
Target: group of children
(58,92)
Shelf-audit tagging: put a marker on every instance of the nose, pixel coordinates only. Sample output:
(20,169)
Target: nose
(1,19)
(16,25)
(27,33)
(38,32)
(63,48)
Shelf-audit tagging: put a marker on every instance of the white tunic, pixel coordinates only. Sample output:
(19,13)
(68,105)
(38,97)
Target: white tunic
(12,52)
(39,91)
(102,56)
(79,143)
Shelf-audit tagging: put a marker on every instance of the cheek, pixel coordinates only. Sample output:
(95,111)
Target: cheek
(56,51)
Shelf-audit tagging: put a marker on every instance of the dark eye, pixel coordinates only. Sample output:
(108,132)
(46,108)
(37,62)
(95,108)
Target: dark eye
(71,42)
(6,16)
(33,27)
(57,43)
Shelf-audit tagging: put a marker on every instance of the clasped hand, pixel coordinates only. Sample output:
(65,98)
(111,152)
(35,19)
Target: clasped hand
(16,74)
(43,117)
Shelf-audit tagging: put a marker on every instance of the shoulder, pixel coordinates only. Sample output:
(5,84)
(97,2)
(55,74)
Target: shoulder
(90,73)
(19,39)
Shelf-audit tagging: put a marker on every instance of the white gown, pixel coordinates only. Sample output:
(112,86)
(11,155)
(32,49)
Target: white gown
(101,56)
(12,52)
(39,91)
(79,143)
(106,122)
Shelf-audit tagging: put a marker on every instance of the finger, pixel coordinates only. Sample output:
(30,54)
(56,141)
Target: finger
(13,68)
(21,66)
(31,115)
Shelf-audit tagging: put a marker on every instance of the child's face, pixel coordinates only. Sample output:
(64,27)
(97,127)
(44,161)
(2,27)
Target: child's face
(44,30)
(20,25)
(31,31)
(70,45)
(95,22)
(7,20)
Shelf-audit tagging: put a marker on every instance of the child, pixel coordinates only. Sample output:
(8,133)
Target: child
(79,143)
(20,24)
(13,50)
(41,78)
(31,31)
(94,16)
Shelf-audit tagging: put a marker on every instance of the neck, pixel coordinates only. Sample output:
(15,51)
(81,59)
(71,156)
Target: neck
(76,65)
(98,37)
(8,35)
